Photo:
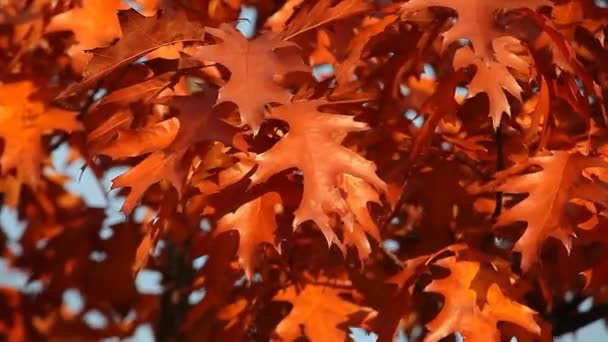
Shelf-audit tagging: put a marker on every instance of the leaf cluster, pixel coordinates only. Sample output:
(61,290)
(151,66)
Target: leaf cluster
(431,168)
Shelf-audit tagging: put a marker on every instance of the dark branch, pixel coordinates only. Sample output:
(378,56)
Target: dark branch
(500,165)
(177,281)
(564,322)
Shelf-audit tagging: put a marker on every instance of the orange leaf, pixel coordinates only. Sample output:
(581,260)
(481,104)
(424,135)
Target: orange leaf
(540,115)
(197,123)
(94,23)
(277,21)
(144,140)
(256,224)
(312,137)
(560,181)
(477,23)
(318,312)
(23,122)
(476,19)
(460,312)
(344,69)
(491,77)
(322,13)
(143,250)
(145,91)
(254,65)
(141,35)
(359,194)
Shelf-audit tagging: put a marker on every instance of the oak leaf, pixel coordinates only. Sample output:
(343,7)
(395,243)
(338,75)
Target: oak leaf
(359,194)
(551,189)
(28,24)
(539,116)
(356,46)
(476,19)
(440,105)
(278,20)
(144,91)
(256,224)
(322,13)
(156,167)
(477,23)
(318,312)
(322,53)
(168,142)
(254,65)
(210,182)
(103,133)
(569,15)
(24,120)
(491,77)
(142,254)
(141,35)
(391,312)
(132,143)
(94,22)
(312,137)
(461,313)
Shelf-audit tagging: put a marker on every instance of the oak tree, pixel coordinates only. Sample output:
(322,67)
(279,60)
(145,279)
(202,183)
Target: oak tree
(227,170)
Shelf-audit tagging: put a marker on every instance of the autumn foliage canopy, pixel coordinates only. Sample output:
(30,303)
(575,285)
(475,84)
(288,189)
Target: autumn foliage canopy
(303,170)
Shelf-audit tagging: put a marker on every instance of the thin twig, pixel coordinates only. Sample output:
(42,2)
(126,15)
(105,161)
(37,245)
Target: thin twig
(565,320)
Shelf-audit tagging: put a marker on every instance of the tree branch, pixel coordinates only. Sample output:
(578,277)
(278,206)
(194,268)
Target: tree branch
(564,322)
(177,281)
